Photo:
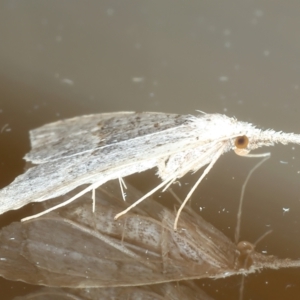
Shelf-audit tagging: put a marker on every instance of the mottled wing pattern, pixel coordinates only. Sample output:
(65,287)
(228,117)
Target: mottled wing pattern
(65,166)
(77,135)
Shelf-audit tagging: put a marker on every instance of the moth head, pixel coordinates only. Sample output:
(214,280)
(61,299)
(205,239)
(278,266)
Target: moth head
(241,145)
(245,249)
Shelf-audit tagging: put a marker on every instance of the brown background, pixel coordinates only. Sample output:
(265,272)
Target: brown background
(65,58)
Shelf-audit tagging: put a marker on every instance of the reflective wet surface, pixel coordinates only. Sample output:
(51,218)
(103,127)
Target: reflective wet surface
(63,59)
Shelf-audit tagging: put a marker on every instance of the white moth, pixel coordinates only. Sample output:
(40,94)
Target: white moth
(94,149)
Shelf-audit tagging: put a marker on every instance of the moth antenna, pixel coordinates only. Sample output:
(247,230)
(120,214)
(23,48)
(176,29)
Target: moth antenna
(205,172)
(200,111)
(262,237)
(239,214)
(169,179)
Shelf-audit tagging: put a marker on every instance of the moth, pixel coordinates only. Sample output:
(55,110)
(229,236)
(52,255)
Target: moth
(93,149)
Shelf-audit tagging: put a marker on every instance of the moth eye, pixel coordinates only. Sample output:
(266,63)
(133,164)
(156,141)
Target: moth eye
(241,142)
(245,247)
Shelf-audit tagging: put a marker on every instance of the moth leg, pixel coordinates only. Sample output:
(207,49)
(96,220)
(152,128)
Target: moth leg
(94,199)
(89,188)
(168,185)
(205,172)
(122,184)
(175,196)
(165,182)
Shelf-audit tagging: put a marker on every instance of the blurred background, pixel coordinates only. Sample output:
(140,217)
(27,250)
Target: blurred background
(60,59)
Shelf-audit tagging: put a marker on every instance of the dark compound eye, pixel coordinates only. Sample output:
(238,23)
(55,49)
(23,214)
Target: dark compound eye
(245,248)
(241,142)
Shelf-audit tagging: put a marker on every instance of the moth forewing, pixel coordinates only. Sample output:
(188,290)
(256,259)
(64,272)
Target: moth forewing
(64,169)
